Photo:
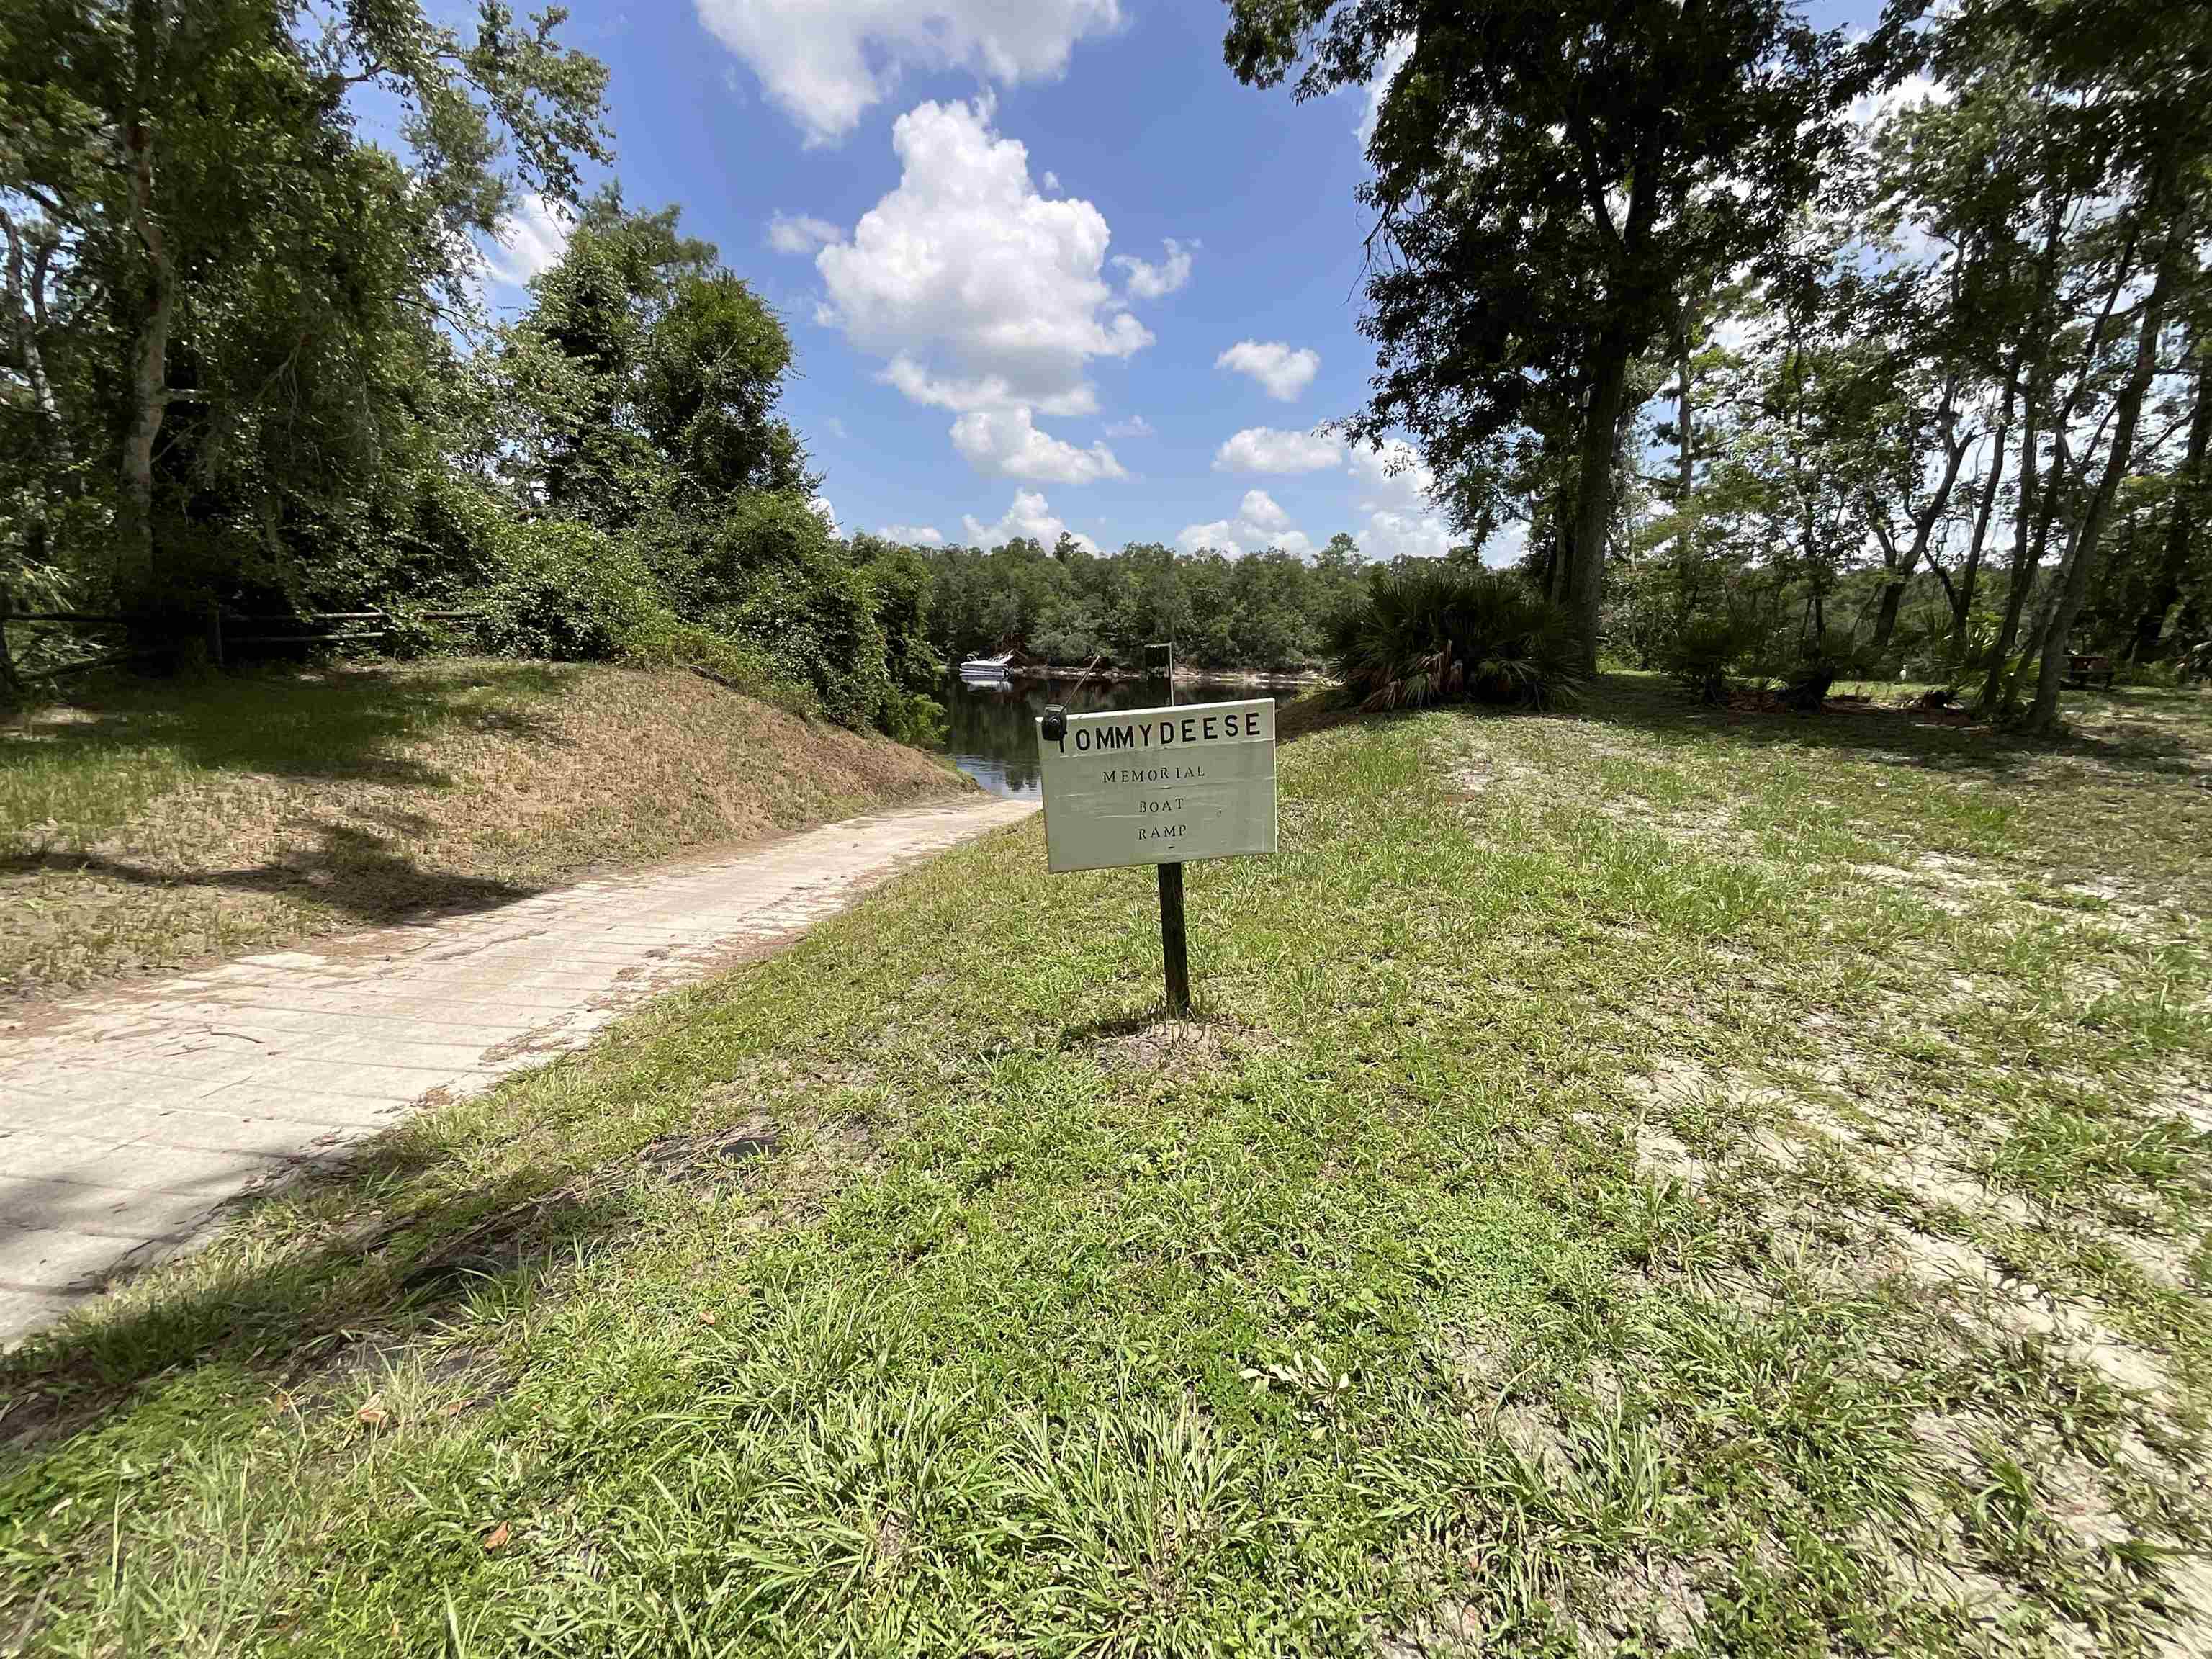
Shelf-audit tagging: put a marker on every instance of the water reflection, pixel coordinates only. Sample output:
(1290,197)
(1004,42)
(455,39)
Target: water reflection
(993,736)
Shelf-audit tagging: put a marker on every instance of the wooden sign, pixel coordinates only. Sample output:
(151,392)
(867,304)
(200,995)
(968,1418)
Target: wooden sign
(1160,785)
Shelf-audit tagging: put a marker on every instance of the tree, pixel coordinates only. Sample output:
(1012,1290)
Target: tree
(2185,513)
(179,159)
(1546,180)
(2140,70)
(646,378)
(1967,175)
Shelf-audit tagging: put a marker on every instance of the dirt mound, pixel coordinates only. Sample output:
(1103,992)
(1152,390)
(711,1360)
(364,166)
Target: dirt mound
(149,827)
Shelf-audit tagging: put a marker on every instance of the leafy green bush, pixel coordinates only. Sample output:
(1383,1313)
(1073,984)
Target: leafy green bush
(915,718)
(767,572)
(1430,632)
(662,640)
(1743,633)
(561,590)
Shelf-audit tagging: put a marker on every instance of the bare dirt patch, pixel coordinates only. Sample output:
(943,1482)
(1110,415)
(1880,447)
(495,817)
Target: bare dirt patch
(2006,1303)
(1951,884)
(1152,1044)
(1661,1155)
(711,1155)
(1653,1598)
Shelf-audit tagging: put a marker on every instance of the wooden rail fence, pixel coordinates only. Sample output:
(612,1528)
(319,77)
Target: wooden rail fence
(322,627)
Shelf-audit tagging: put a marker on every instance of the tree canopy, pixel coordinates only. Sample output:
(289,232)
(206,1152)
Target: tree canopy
(1839,285)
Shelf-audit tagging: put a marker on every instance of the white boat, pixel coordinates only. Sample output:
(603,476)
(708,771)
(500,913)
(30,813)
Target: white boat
(985,669)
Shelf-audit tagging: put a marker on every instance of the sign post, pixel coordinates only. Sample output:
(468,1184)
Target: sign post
(1165,786)
(1174,942)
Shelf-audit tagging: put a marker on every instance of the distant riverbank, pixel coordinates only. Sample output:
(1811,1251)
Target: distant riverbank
(990,725)
(1182,677)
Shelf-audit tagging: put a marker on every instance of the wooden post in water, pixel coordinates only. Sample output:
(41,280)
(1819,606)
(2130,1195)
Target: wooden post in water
(1175,941)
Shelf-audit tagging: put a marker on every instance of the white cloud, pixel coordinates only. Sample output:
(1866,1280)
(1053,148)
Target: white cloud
(826,512)
(1508,543)
(800,234)
(1405,536)
(1281,371)
(836,428)
(1237,539)
(1260,523)
(824,62)
(913,535)
(1007,443)
(1399,497)
(979,292)
(982,391)
(1870,109)
(1147,281)
(530,242)
(1392,474)
(1259,508)
(1051,180)
(1218,537)
(1030,515)
(1378,85)
(1135,426)
(1736,335)
(1267,449)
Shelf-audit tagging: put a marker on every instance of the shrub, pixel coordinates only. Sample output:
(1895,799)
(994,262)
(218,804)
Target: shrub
(1430,632)
(915,718)
(1744,633)
(662,640)
(561,590)
(1710,647)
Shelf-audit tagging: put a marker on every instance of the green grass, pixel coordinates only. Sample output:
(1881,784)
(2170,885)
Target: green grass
(1642,1180)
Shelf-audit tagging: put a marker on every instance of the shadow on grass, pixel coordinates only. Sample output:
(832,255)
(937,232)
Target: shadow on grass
(341,723)
(351,870)
(1895,734)
(379,1282)
(1173,1030)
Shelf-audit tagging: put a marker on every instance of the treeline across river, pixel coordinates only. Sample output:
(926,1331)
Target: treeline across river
(1271,612)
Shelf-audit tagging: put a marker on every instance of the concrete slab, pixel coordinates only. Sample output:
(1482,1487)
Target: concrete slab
(131,1213)
(29,1310)
(127,1118)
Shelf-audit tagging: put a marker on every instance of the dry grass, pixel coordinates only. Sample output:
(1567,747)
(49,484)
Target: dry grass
(149,826)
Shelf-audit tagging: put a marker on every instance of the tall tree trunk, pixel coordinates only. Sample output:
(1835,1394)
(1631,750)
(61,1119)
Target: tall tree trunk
(27,316)
(1685,466)
(1553,507)
(1607,376)
(2024,545)
(149,347)
(1925,520)
(2188,485)
(2083,557)
(1962,600)
(2028,544)
(1924,531)
(1893,601)
(2031,643)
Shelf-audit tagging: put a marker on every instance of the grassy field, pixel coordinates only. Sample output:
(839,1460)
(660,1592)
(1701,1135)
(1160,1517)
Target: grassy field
(145,825)
(1644,1181)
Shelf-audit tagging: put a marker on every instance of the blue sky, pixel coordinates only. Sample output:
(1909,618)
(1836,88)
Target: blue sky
(976,356)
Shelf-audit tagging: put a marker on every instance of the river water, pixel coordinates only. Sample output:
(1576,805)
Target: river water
(993,736)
